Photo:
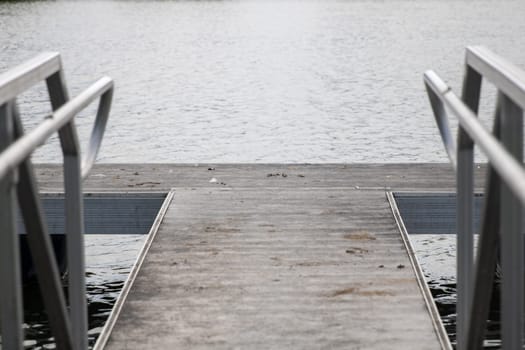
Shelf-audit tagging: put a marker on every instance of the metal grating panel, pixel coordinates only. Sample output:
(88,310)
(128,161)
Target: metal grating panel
(433,213)
(106,213)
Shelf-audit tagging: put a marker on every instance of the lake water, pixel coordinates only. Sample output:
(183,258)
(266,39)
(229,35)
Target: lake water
(436,254)
(256,81)
(108,262)
(261,81)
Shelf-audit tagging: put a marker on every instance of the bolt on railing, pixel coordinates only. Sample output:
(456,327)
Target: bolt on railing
(18,185)
(504,194)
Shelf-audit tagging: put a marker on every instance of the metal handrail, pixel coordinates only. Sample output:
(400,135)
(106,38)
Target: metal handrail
(16,172)
(510,170)
(24,146)
(26,75)
(509,79)
(504,194)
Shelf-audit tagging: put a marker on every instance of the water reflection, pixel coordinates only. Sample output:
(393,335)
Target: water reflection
(108,262)
(437,256)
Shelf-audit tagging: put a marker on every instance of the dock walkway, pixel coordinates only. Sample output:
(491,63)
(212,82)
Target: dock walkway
(273,256)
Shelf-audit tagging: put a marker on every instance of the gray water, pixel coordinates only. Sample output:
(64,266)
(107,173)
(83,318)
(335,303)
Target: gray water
(261,81)
(108,263)
(436,254)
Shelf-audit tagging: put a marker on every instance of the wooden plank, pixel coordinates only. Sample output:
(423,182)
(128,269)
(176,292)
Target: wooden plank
(140,177)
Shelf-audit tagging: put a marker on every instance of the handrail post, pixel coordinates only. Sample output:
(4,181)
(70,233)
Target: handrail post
(11,295)
(487,252)
(73,214)
(75,250)
(465,212)
(41,248)
(511,231)
(464,236)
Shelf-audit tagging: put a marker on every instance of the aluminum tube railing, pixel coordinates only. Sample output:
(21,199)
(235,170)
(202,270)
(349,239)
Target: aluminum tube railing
(505,194)
(23,147)
(16,172)
(26,75)
(509,79)
(510,170)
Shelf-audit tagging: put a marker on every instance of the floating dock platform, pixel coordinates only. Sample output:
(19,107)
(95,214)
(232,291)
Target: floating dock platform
(257,256)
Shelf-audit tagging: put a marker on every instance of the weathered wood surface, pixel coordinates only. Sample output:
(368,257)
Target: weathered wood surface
(275,268)
(309,259)
(144,177)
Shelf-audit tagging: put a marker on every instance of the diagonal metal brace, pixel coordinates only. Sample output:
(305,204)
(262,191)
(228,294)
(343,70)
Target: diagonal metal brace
(41,249)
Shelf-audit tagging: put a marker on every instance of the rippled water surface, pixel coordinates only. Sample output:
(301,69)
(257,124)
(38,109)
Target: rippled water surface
(261,81)
(108,262)
(437,257)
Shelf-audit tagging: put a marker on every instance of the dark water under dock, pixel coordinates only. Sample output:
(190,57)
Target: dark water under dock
(437,257)
(108,262)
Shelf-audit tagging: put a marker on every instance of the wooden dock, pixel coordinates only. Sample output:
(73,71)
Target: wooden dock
(273,256)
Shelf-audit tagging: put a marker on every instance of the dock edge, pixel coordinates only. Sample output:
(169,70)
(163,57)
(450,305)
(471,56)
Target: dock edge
(115,312)
(425,290)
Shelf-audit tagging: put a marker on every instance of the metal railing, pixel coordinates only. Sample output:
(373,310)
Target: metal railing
(501,226)
(18,186)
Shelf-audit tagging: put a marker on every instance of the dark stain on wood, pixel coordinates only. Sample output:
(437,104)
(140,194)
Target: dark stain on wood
(360,236)
(360,292)
(356,250)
